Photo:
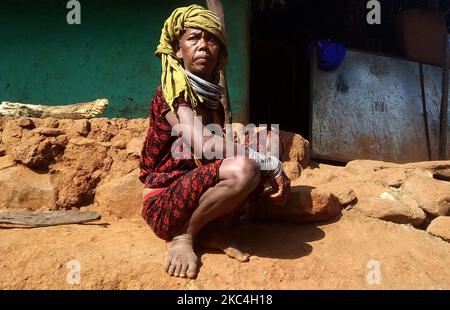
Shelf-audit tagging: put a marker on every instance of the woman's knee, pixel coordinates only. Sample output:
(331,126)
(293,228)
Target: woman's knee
(247,171)
(241,171)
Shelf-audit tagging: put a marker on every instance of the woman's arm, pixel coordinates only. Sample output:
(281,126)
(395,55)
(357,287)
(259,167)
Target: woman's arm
(198,137)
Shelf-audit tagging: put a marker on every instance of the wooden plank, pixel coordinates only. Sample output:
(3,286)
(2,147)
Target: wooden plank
(47,218)
(71,111)
(217,7)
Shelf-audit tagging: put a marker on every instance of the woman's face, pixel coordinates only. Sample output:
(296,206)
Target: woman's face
(199,51)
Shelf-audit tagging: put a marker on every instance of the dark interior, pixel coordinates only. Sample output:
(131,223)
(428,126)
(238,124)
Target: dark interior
(282,33)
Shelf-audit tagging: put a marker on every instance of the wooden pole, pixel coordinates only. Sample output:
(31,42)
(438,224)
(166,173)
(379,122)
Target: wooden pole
(217,7)
(444,104)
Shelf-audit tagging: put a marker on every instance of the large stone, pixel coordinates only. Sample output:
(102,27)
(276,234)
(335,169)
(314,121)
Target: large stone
(82,127)
(2,150)
(305,204)
(315,177)
(387,208)
(429,165)
(26,123)
(6,162)
(134,147)
(369,166)
(292,169)
(442,174)
(291,146)
(77,176)
(38,152)
(48,132)
(440,227)
(432,195)
(103,130)
(390,177)
(50,122)
(295,148)
(121,197)
(22,188)
(343,192)
(438,169)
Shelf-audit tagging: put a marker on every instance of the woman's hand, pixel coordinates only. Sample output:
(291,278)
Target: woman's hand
(282,188)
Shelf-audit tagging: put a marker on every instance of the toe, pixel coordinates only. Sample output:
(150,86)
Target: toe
(183,271)
(177,269)
(192,271)
(167,264)
(172,268)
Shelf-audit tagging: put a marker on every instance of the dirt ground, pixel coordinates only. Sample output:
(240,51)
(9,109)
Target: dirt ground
(124,254)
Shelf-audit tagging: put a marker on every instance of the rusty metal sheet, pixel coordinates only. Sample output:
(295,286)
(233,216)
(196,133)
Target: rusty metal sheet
(371,108)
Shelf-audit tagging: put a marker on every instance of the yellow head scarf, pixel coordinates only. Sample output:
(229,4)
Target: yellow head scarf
(174,80)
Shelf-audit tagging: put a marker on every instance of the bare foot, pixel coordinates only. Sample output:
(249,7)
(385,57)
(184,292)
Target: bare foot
(181,260)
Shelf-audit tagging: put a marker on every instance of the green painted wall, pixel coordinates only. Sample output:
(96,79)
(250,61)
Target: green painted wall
(43,60)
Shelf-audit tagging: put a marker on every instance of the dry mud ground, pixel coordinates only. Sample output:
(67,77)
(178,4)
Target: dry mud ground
(124,254)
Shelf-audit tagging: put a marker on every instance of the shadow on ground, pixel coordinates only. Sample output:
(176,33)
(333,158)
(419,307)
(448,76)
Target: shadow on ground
(278,240)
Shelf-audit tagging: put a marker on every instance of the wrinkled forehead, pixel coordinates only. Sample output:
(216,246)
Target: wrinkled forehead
(194,31)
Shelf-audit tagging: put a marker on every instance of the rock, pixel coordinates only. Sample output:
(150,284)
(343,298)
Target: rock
(82,127)
(429,165)
(315,177)
(76,188)
(22,188)
(438,169)
(440,227)
(442,174)
(37,152)
(292,169)
(122,197)
(121,145)
(83,142)
(292,146)
(387,208)
(135,146)
(103,130)
(342,191)
(11,132)
(2,150)
(295,148)
(78,175)
(390,177)
(432,195)
(304,204)
(48,132)
(26,123)
(6,162)
(369,166)
(51,122)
